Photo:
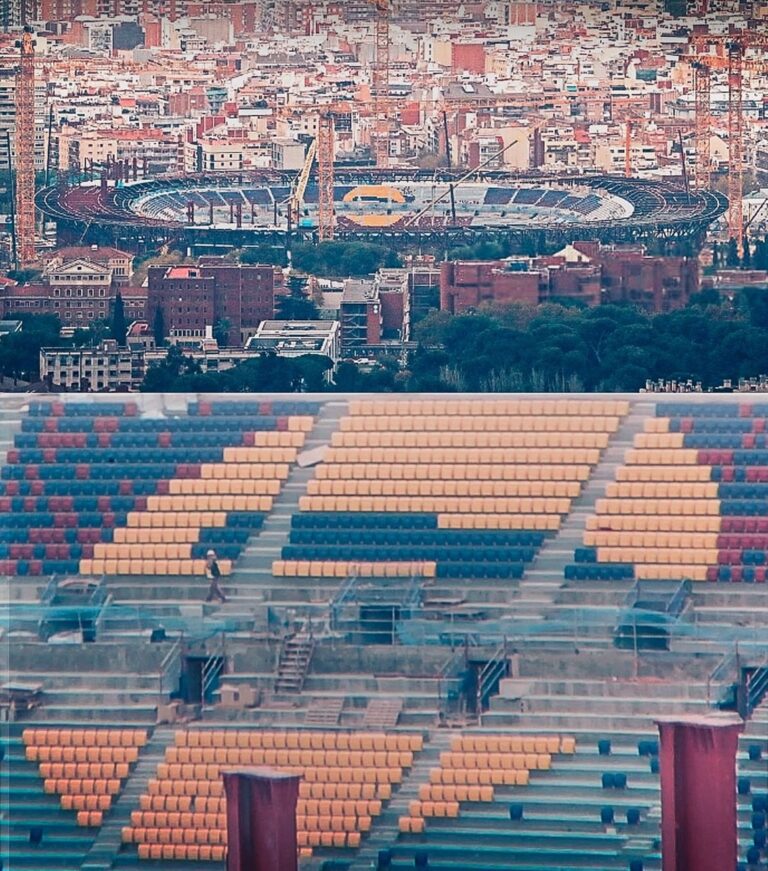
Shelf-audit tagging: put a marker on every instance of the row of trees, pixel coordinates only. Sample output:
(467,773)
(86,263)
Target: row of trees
(266,373)
(609,348)
(539,349)
(327,259)
(752,256)
(20,352)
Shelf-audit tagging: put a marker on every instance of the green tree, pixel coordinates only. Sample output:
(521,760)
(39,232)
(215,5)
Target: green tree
(746,257)
(20,352)
(297,305)
(221,331)
(343,259)
(760,259)
(168,375)
(266,254)
(24,276)
(732,254)
(158,327)
(119,326)
(93,334)
(313,371)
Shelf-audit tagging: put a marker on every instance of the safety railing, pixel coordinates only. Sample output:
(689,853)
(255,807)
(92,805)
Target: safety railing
(169,672)
(756,686)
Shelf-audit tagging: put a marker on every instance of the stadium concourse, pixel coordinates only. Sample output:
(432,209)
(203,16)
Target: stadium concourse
(457,617)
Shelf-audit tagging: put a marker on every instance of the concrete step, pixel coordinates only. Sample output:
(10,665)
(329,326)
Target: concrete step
(108,842)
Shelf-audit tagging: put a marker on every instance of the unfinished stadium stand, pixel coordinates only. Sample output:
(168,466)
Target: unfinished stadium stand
(474,767)
(86,768)
(100,489)
(480,489)
(445,488)
(346,779)
(690,501)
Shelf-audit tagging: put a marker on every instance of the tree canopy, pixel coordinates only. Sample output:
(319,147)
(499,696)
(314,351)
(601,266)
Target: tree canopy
(20,352)
(609,348)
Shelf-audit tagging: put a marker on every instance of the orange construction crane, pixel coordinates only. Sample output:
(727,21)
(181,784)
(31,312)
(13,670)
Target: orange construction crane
(25,150)
(725,52)
(380,82)
(703,97)
(325,175)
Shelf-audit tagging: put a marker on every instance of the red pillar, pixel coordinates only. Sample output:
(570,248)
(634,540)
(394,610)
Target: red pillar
(698,792)
(261,820)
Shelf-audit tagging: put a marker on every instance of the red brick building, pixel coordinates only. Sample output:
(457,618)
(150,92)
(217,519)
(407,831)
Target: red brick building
(194,297)
(585,271)
(467,285)
(656,284)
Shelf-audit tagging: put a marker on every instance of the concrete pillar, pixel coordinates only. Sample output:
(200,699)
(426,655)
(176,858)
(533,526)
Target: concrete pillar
(698,792)
(261,820)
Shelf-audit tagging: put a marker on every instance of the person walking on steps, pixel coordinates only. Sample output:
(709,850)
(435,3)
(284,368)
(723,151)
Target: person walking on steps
(213,573)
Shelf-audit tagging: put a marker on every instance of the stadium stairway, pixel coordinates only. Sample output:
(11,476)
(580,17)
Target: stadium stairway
(543,578)
(251,584)
(106,846)
(27,806)
(385,833)
(253,576)
(346,678)
(12,410)
(753,782)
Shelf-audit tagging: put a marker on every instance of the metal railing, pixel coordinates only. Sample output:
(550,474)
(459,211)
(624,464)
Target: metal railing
(170,668)
(676,605)
(756,686)
(491,673)
(212,666)
(451,681)
(723,678)
(342,597)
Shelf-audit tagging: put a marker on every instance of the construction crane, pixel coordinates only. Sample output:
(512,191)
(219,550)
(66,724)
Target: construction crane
(380,82)
(325,154)
(703,120)
(25,149)
(724,52)
(297,198)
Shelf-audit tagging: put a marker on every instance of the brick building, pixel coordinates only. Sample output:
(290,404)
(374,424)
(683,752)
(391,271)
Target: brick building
(196,297)
(79,285)
(630,275)
(585,271)
(467,285)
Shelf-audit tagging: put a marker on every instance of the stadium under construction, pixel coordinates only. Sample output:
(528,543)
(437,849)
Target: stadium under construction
(403,207)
